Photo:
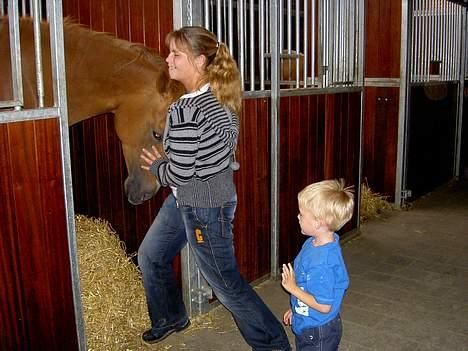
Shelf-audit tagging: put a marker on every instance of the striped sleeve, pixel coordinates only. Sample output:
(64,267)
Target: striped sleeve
(182,143)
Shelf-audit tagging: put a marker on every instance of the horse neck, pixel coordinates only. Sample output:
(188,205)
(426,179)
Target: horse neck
(99,73)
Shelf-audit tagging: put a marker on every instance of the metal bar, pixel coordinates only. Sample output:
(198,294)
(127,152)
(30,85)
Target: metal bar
(331,44)
(400,181)
(15,52)
(28,115)
(462,72)
(261,24)
(219,26)
(23,7)
(231,26)
(288,43)
(444,39)
(275,133)
(320,44)
(252,44)
(310,40)
(38,53)
(2,8)
(426,40)
(360,49)
(431,36)
(298,47)
(207,14)
(241,33)
(60,94)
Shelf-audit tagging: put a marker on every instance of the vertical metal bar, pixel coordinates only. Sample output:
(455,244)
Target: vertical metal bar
(426,42)
(354,42)
(361,22)
(453,76)
(461,87)
(310,40)
(60,99)
(281,27)
(219,17)
(2,8)
(298,47)
(38,53)
(331,44)
(207,14)
(431,36)
(15,52)
(23,7)
(252,45)
(231,26)
(337,42)
(445,51)
(288,44)
(400,181)
(421,41)
(275,140)
(437,34)
(241,33)
(261,23)
(320,44)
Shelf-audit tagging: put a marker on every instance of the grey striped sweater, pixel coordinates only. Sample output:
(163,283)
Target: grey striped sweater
(199,141)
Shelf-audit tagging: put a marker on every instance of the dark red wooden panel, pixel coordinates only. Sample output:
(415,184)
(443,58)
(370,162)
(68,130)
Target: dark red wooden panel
(319,140)
(380,138)
(382,51)
(36,291)
(252,223)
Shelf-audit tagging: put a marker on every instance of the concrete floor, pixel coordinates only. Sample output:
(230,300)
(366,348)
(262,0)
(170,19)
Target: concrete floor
(408,291)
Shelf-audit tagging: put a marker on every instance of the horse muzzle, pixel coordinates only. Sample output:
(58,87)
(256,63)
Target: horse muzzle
(137,193)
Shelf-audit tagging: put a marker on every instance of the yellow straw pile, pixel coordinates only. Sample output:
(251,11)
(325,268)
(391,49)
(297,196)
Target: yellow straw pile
(113,298)
(372,204)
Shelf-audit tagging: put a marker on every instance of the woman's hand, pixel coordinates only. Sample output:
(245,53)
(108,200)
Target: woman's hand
(287,317)
(288,278)
(149,157)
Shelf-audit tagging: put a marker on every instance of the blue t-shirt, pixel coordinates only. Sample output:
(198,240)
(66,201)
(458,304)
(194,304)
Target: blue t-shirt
(321,272)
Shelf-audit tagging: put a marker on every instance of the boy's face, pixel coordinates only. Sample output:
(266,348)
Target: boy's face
(308,223)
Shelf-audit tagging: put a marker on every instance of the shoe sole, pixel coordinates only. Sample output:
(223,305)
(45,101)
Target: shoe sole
(168,333)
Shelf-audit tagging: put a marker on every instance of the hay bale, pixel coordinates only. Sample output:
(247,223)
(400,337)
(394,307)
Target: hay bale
(372,204)
(113,297)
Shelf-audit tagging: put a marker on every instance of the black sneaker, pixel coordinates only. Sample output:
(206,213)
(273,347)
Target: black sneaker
(150,337)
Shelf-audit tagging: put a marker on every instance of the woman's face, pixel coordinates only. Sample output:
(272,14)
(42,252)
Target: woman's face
(183,68)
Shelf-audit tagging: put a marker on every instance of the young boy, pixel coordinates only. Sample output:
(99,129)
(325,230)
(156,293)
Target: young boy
(319,279)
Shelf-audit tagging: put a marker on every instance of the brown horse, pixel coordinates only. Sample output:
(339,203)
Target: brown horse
(103,74)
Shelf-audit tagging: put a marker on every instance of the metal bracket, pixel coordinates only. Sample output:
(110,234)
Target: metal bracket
(406,194)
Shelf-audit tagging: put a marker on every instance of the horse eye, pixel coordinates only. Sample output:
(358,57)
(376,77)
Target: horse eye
(157,136)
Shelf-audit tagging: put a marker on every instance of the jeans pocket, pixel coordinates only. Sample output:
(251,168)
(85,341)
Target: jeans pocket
(226,216)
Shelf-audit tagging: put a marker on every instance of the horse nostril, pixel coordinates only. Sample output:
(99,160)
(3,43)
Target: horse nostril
(157,136)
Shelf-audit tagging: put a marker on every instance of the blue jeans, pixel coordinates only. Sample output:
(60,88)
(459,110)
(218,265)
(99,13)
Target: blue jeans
(209,233)
(322,338)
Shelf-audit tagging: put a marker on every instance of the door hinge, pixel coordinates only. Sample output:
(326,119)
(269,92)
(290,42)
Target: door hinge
(406,194)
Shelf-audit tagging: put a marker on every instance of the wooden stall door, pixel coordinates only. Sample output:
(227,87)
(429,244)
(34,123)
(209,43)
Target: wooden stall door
(36,298)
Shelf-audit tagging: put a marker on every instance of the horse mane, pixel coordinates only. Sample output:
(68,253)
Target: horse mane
(142,52)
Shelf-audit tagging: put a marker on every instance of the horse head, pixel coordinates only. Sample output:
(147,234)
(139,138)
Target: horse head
(140,122)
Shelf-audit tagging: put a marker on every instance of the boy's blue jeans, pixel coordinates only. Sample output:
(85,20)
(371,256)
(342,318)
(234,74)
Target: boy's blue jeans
(322,338)
(209,233)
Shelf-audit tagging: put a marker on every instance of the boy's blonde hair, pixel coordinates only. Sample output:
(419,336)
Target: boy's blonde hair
(329,201)
(220,68)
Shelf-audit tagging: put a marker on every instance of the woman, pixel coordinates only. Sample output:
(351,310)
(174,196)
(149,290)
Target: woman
(199,143)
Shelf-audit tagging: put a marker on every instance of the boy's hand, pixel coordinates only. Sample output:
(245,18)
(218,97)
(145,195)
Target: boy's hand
(287,318)
(288,278)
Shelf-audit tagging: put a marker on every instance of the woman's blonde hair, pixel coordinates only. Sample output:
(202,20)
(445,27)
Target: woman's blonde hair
(329,201)
(220,68)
